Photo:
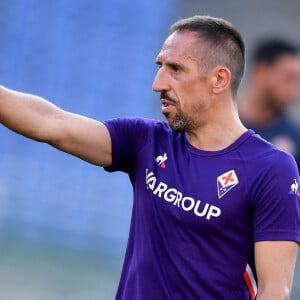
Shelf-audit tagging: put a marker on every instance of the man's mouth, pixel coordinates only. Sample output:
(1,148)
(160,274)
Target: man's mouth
(167,106)
(166,103)
(166,98)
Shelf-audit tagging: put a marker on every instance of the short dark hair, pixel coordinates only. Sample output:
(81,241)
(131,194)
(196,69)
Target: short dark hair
(269,50)
(227,45)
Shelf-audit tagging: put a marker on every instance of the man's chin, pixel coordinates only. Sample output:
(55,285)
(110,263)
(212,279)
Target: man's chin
(176,123)
(168,118)
(176,126)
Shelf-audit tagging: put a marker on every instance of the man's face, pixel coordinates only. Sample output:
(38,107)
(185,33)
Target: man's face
(184,89)
(283,81)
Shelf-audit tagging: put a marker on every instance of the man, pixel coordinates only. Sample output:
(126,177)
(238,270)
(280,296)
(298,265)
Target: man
(215,206)
(274,84)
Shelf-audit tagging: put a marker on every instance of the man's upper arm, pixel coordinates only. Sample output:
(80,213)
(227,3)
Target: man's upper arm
(41,120)
(275,262)
(83,137)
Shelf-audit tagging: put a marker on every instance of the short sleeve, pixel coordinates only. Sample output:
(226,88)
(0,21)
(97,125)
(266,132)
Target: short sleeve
(276,206)
(127,136)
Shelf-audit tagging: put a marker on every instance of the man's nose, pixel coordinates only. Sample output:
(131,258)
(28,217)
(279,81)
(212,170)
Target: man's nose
(160,82)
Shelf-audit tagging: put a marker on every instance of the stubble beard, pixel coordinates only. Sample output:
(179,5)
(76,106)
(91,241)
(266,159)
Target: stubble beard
(180,122)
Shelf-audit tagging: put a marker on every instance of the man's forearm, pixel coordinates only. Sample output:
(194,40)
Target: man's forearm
(26,114)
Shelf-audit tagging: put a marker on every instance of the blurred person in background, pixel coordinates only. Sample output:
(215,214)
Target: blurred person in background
(208,222)
(274,84)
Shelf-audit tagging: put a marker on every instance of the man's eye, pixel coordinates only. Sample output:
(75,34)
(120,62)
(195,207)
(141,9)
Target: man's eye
(175,68)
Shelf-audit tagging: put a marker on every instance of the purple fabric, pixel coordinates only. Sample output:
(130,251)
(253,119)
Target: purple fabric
(196,214)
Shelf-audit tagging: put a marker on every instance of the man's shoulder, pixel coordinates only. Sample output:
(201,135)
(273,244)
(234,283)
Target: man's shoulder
(138,121)
(262,153)
(139,128)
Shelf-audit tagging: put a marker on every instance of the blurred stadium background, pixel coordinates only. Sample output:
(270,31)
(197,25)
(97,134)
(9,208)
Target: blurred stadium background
(63,222)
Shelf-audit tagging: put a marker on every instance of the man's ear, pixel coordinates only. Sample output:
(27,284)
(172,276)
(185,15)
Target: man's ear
(221,79)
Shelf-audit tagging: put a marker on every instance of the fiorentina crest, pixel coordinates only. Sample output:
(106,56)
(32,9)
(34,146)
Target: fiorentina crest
(226,182)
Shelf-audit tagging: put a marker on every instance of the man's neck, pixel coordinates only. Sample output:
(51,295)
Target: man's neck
(217,135)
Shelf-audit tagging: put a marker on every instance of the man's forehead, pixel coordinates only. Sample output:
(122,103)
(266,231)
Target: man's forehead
(180,44)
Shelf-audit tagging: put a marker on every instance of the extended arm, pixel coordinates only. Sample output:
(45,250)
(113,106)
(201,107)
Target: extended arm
(40,120)
(275,262)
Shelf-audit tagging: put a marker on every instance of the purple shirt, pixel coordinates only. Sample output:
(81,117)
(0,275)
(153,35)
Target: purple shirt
(196,214)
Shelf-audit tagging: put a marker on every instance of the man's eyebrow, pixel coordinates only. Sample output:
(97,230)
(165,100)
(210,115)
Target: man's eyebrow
(170,64)
(158,58)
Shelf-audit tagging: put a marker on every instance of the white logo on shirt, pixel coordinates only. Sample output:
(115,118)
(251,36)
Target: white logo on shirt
(161,160)
(187,203)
